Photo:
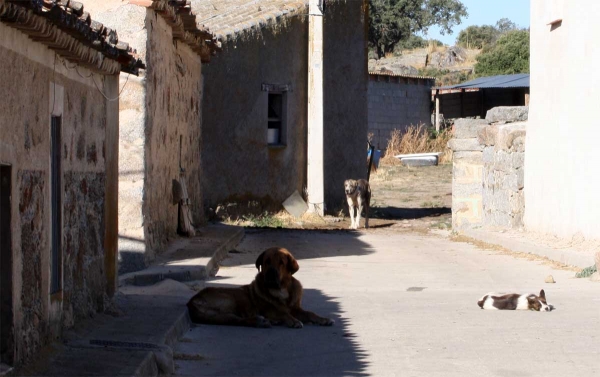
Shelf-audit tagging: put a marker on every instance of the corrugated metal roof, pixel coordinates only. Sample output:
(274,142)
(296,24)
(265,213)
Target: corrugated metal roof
(387,73)
(520,80)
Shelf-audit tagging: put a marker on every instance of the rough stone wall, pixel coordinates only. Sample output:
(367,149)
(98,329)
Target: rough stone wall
(157,110)
(396,103)
(503,172)
(345,115)
(487,175)
(83,220)
(32,208)
(238,164)
(173,113)
(27,71)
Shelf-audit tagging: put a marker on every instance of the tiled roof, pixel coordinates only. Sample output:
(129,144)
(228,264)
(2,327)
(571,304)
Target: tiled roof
(182,17)
(65,27)
(227,18)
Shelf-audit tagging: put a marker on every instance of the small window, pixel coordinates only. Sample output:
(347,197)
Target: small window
(276,119)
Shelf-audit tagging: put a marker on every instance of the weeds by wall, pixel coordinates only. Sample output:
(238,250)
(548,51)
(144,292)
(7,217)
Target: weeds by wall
(417,139)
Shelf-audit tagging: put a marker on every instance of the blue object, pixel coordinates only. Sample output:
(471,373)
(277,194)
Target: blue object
(376,157)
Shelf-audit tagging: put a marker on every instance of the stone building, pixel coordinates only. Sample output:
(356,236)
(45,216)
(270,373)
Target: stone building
(58,169)
(254,114)
(397,102)
(160,122)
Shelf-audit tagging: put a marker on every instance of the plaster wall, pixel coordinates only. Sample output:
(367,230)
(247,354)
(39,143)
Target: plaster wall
(30,72)
(345,78)
(238,164)
(561,163)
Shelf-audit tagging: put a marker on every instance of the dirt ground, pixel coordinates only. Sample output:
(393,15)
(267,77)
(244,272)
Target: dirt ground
(415,198)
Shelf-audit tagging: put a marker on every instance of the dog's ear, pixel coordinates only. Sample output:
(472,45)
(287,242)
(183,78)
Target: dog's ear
(542,294)
(259,260)
(292,265)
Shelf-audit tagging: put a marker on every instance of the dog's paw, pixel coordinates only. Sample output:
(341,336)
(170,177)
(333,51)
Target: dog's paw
(262,322)
(327,322)
(295,324)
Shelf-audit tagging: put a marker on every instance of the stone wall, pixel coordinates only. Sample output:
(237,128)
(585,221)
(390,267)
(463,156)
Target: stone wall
(396,103)
(29,71)
(173,120)
(158,111)
(488,171)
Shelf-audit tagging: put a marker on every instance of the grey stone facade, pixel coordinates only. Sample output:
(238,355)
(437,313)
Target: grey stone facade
(160,127)
(488,173)
(396,102)
(238,164)
(38,84)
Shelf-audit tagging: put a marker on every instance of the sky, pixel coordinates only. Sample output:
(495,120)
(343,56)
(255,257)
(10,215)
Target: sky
(486,12)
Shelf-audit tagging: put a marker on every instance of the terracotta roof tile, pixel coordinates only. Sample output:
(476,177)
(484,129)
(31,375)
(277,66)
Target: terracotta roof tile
(227,18)
(65,27)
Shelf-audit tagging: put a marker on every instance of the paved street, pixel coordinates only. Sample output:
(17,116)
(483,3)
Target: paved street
(404,304)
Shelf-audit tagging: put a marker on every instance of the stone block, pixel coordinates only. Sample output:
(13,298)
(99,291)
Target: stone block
(507,114)
(464,173)
(520,173)
(487,135)
(518,144)
(468,157)
(468,128)
(488,155)
(517,202)
(507,134)
(465,145)
(517,160)
(467,212)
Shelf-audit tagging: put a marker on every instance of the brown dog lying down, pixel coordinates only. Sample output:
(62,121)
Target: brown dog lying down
(273,297)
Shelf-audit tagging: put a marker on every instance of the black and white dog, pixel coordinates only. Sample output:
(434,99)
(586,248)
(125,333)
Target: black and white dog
(515,301)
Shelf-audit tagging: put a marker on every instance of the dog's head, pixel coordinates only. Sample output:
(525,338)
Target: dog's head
(350,186)
(278,265)
(539,303)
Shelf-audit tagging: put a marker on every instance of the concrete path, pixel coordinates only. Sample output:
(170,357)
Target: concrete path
(404,304)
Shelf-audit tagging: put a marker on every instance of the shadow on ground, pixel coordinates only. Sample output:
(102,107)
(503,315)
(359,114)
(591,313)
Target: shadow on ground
(398,213)
(278,351)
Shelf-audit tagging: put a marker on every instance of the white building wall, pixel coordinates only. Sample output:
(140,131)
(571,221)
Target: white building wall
(562,161)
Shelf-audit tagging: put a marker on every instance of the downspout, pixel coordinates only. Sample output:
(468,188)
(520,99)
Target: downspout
(315,184)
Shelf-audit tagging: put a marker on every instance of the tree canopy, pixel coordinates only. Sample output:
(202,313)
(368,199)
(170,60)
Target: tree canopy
(392,21)
(484,35)
(510,54)
(477,36)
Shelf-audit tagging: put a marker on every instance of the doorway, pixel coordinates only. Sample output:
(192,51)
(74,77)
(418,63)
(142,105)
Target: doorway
(6,319)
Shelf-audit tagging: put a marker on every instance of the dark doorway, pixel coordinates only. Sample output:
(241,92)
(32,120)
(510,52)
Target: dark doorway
(6,309)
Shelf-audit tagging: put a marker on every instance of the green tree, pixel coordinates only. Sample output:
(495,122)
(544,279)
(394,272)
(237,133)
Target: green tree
(394,20)
(505,25)
(477,36)
(510,54)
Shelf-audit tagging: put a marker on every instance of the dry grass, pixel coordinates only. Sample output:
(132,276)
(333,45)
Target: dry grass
(417,139)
